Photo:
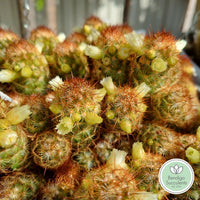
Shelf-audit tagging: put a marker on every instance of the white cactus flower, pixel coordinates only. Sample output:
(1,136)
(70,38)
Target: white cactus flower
(5,97)
(56,82)
(180,45)
(61,37)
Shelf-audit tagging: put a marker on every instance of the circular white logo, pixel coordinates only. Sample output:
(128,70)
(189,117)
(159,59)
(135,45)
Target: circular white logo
(176,176)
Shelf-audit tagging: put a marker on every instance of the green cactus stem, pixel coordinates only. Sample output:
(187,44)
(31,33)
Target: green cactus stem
(25,68)
(157,62)
(44,39)
(164,141)
(7,37)
(113,180)
(126,109)
(69,59)
(20,186)
(50,150)
(79,105)
(110,55)
(175,106)
(146,167)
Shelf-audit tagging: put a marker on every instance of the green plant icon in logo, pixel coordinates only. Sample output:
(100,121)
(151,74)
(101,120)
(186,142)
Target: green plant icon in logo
(176,169)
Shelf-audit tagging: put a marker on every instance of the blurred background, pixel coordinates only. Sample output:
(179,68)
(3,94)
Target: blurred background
(180,17)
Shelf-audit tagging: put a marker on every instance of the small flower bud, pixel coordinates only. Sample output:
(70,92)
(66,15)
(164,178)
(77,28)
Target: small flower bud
(18,114)
(93,52)
(65,126)
(7,138)
(55,108)
(26,72)
(65,68)
(158,65)
(138,151)
(193,155)
(126,125)
(76,117)
(93,118)
(7,76)
(110,114)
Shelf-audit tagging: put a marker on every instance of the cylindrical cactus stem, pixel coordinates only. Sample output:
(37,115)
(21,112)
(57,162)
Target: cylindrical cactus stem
(158,61)
(110,139)
(146,167)
(7,37)
(44,39)
(92,28)
(77,38)
(110,55)
(54,191)
(39,119)
(62,186)
(174,106)
(69,60)
(50,150)
(187,139)
(35,105)
(103,150)
(125,107)
(164,141)
(25,68)
(113,180)
(105,144)
(14,151)
(14,147)
(20,186)
(78,104)
(187,66)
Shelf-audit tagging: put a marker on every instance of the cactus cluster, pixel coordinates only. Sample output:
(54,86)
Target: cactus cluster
(94,115)
(25,68)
